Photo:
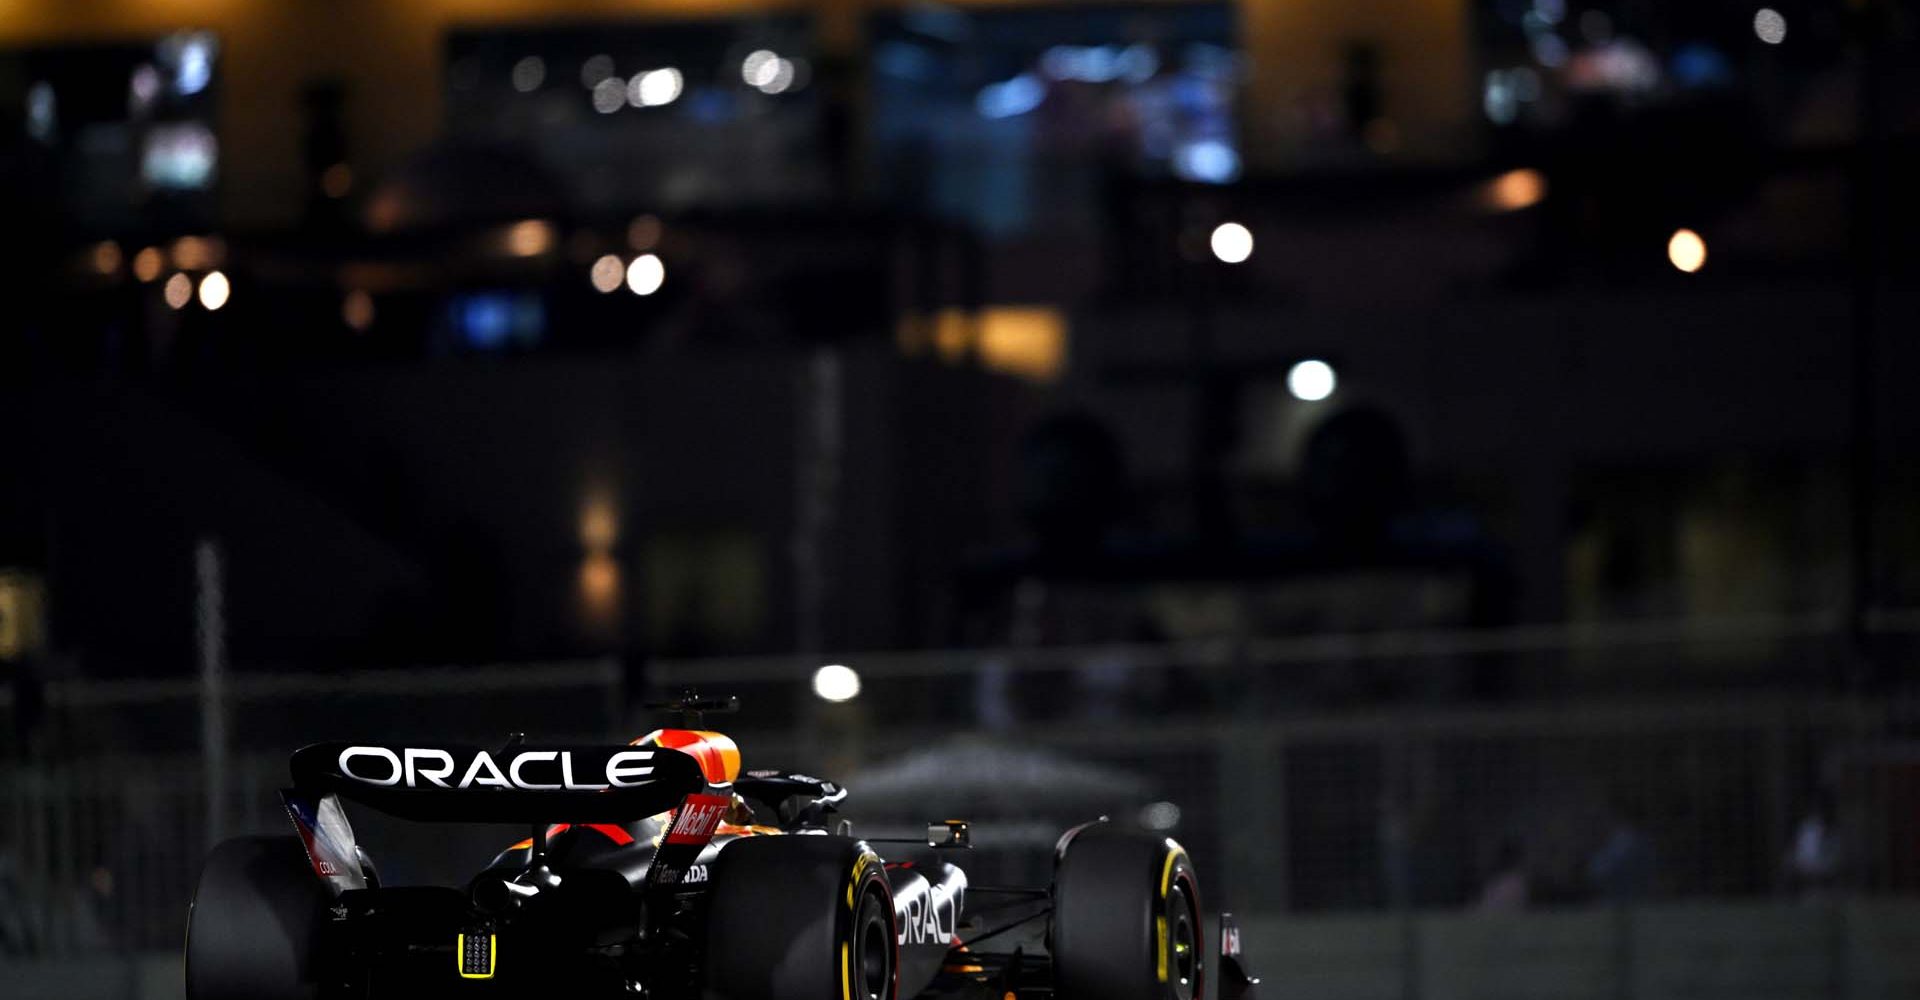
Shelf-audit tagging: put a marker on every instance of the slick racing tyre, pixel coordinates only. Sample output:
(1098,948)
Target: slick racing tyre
(250,931)
(1126,918)
(800,918)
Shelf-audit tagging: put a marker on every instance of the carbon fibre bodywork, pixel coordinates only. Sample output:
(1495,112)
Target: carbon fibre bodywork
(613,892)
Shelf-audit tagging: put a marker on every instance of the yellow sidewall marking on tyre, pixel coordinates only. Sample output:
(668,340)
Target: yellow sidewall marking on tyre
(1175,853)
(1160,949)
(846,974)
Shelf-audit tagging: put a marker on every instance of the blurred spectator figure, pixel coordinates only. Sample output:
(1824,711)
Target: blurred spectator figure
(1355,477)
(1623,869)
(1813,855)
(1508,889)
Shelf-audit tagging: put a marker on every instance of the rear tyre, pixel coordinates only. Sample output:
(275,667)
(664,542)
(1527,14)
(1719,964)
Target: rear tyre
(800,918)
(1126,919)
(251,929)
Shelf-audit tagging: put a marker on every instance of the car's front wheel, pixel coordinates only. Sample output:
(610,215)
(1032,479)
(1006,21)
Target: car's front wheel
(1126,918)
(800,918)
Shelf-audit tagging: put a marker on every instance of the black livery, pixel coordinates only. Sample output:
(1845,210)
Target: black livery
(659,870)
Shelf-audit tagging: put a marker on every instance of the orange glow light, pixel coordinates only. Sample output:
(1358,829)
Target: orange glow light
(1516,189)
(147,264)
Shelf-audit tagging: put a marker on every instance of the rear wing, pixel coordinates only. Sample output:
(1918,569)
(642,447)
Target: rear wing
(521,784)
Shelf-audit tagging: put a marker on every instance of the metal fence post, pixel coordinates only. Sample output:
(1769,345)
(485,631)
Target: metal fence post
(211,631)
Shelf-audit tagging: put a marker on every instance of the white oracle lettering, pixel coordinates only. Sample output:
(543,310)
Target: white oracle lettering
(566,775)
(513,769)
(622,772)
(910,920)
(928,916)
(483,761)
(392,759)
(415,756)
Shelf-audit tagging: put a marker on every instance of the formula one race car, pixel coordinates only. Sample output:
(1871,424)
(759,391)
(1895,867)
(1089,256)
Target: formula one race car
(658,869)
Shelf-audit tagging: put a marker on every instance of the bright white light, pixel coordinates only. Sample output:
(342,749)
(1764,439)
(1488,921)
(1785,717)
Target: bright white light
(758,67)
(1770,26)
(646,274)
(595,70)
(214,290)
(1232,242)
(654,88)
(178,291)
(1160,816)
(609,95)
(780,79)
(1686,250)
(1311,381)
(529,74)
(195,67)
(1011,98)
(834,682)
(606,273)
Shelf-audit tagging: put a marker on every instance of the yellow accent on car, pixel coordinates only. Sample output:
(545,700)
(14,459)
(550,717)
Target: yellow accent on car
(1175,852)
(1160,948)
(460,957)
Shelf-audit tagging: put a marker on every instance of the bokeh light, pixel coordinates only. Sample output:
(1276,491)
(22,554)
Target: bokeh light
(1311,380)
(1232,242)
(214,290)
(836,682)
(1770,26)
(178,291)
(757,68)
(106,257)
(1161,816)
(356,310)
(609,95)
(655,87)
(643,233)
(336,181)
(529,73)
(192,253)
(595,71)
(529,238)
(607,273)
(1687,251)
(147,263)
(1516,189)
(646,274)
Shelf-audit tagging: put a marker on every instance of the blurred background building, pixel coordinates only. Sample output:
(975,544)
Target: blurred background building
(1433,456)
